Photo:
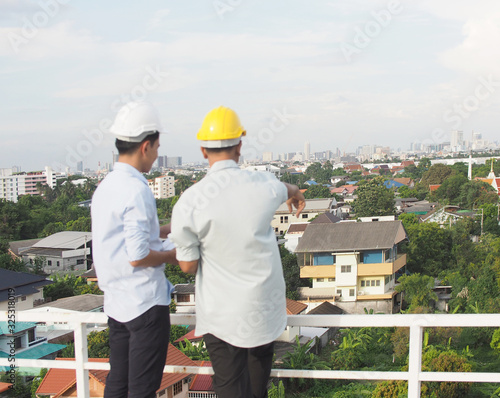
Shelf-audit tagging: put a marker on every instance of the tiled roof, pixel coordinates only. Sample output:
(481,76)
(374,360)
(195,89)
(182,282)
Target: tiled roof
(326,218)
(326,308)
(403,180)
(351,236)
(190,336)
(175,357)
(84,303)
(184,288)
(18,327)
(23,283)
(296,228)
(202,382)
(57,381)
(433,187)
(294,307)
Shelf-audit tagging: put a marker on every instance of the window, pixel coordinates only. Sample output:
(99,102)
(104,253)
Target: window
(80,261)
(178,387)
(23,298)
(331,279)
(378,282)
(183,298)
(17,343)
(320,280)
(31,335)
(387,280)
(283,219)
(58,263)
(49,262)
(345,268)
(339,292)
(351,292)
(373,282)
(305,215)
(161,393)
(362,283)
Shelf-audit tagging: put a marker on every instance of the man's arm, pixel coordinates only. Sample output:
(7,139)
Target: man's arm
(165,230)
(295,198)
(189,267)
(155,258)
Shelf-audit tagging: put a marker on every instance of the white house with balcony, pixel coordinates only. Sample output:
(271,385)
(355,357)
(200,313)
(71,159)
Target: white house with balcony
(352,264)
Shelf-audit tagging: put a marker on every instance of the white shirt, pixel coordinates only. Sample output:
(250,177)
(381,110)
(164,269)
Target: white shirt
(225,221)
(125,228)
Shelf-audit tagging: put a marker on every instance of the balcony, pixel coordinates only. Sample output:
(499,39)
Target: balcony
(415,322)
(375,269)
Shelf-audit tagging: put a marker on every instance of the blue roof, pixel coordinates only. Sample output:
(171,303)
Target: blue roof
(392,184)
(311,182)
(19,327)
(351,182)
(36,352)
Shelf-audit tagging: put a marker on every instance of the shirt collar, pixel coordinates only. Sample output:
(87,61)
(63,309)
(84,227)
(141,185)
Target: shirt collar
(223,164)
(125,167)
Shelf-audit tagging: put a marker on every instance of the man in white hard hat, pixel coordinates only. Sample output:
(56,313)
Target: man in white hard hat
(221,227)
(129,258)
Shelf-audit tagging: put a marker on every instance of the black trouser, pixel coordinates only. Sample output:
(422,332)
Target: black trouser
(138,350)
(239,372)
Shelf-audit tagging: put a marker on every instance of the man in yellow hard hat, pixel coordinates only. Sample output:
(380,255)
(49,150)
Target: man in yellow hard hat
(221,227)
(129,258)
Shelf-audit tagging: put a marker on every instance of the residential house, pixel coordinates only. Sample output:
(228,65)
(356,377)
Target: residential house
(62,382)
(447,215)
(283,217)
(292,308)
(352,264)
(63,333)
(26,289)
(292,236)
(62,251)
(349,168)
(184,298)
(17,247)
(326,218)
(27,343)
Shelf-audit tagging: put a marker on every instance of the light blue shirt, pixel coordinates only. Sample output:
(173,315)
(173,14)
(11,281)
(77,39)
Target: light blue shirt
(225,221)
(125,228)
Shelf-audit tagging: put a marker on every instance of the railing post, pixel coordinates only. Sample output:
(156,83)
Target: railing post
(415,361)
(81,356)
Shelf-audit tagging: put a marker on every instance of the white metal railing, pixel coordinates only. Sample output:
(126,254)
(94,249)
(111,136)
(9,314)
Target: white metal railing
(415,322)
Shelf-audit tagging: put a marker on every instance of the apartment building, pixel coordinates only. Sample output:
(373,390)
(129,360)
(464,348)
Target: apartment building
(162,187)
(13,185)
(352,264)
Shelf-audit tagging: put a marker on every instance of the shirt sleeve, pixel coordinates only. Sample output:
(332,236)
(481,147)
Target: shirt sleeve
(184,233)
(137,228)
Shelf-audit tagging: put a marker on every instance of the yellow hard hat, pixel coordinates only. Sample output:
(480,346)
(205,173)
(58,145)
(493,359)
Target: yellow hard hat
(221,128)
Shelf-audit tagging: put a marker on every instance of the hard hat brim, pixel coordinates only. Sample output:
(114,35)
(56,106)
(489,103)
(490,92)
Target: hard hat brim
(220,143)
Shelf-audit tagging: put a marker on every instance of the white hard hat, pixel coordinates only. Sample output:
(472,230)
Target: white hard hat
(135,121)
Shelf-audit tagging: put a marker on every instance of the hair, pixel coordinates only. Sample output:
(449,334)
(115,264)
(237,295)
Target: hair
(221,150)
(126,148)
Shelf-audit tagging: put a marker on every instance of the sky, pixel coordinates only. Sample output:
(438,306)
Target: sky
(339,74)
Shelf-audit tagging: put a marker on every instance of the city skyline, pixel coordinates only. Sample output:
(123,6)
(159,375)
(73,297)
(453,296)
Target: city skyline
(336,74)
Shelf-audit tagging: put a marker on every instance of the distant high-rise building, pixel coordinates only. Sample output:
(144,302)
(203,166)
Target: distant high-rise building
(79,167)
(162,161)
(267,156)
(173,161)
(457,140)
(307,150)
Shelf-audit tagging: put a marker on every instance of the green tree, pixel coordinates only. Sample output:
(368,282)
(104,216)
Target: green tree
(175,275)
(35,383)
(374,199)
(301,358)
(97,343)
(437,174)
(317,191)
(408,219)
(177,331)
(291,273)
(495,341)
(276,391)
(197,352)
(418,290)
(182,183)
(429,249)
(451,189)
